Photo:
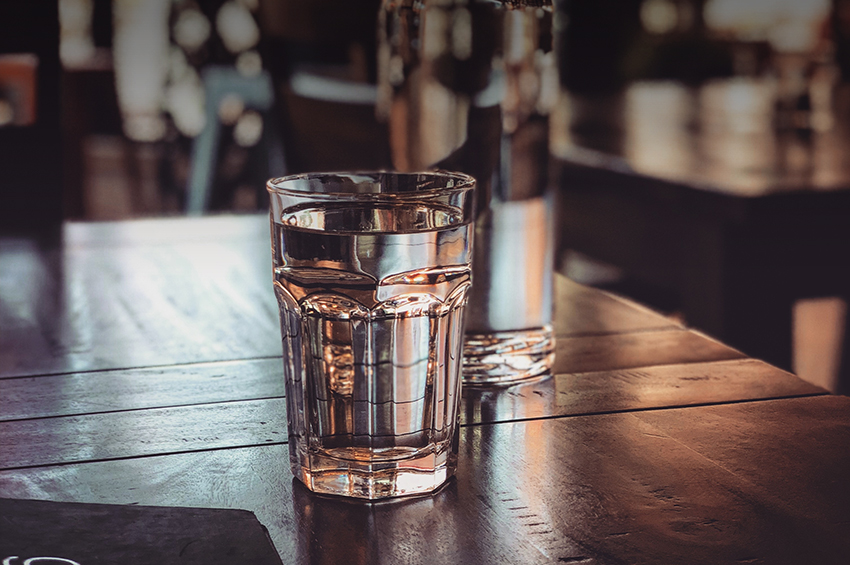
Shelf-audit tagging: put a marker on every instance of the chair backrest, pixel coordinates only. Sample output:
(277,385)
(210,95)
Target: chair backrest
(255,92)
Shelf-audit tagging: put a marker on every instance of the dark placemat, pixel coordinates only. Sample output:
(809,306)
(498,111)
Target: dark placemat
(89,534)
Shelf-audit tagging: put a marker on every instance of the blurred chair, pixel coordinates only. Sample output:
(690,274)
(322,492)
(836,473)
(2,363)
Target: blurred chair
(255,92)
(322,58)
(329,123)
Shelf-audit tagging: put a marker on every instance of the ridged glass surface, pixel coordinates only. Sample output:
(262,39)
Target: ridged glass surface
(503,358)
(371,301)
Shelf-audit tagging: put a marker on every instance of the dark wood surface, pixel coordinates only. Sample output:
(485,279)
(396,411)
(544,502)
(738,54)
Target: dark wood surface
(139,364)
(695,193)
(140,294)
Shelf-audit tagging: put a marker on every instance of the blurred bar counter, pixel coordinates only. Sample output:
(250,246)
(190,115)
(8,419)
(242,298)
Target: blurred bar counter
(730,199)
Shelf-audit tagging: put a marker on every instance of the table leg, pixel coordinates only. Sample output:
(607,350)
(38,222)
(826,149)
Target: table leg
(747,308)
(759,317)
(842,385)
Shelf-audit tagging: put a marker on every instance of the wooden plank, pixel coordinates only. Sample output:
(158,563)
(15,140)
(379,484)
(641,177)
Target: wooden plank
(775,446)
(605,489)
(617,489)
(663,386)
(134,389)
(581,310)
(142,430)
(603,391)
(639,349)
(581,393)
(180,296)
(50,441)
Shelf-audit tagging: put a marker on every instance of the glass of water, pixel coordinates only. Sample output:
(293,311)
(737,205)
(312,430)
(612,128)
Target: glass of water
(467,85)
(371,273)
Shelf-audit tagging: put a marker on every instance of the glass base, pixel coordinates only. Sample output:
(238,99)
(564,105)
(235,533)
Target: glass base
(361,473)
(503,358)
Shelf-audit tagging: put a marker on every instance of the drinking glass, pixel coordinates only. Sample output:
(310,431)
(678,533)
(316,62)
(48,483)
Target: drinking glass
(467,85)
(371,273)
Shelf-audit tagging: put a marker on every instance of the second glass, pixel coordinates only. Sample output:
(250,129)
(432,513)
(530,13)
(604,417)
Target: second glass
(467,85)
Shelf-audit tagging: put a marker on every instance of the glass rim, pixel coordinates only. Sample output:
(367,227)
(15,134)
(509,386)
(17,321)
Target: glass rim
(287,185)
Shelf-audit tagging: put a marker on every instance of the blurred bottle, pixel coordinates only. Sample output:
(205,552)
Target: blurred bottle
(467,86)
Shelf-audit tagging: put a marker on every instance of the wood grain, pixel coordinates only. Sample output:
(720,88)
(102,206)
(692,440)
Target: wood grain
(134,389)
(581,310)
(111,426)
(50,441)
(127,294)
(638,349)
(775,447)
(664,386)
(606,489)
(183,385)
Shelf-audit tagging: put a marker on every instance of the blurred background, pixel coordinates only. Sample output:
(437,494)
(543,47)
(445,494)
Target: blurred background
(116,109)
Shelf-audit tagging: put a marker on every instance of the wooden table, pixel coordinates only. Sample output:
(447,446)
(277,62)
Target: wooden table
(140,364)
(693,191)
